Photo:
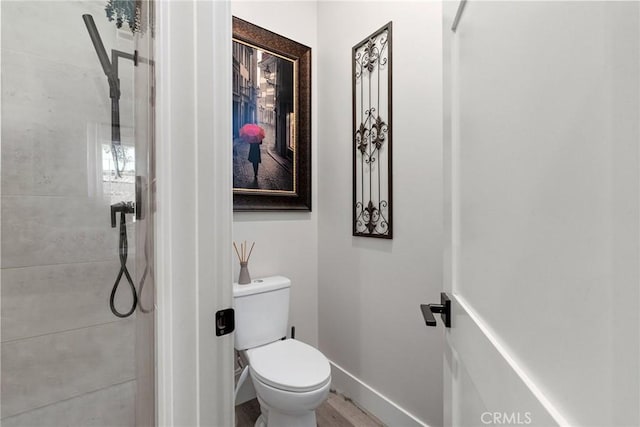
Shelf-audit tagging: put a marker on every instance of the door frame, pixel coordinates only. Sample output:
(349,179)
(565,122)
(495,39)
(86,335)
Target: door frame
(194,368)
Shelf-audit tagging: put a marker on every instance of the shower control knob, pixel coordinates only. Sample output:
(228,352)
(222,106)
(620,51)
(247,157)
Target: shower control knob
(126,207)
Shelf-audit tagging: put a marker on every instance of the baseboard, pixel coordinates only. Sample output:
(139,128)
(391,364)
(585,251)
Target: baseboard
(371,400)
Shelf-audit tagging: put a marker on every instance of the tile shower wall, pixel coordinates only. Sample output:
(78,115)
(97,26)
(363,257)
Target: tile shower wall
(66,359)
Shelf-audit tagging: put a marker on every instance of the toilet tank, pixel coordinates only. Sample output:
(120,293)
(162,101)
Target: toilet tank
(261,311)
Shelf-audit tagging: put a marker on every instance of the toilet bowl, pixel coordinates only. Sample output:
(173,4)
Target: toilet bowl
(291,378)
(288,409)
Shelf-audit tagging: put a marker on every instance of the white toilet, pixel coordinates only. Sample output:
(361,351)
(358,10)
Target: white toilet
(291,378)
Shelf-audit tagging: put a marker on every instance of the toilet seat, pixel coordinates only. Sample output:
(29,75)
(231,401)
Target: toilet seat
(289,365)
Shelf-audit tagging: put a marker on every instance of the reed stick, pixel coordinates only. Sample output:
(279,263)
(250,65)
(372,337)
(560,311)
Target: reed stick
(251,250)
(243,254)
(237,252)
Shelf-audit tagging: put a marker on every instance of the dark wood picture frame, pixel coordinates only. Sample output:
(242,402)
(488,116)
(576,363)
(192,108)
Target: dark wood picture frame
(299,199)
(372,136)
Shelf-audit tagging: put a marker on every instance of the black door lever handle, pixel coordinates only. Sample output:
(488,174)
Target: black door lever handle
(444,308)
(428,315)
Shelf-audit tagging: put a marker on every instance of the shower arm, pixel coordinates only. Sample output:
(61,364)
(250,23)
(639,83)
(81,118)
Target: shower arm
(112,77)
(110,67)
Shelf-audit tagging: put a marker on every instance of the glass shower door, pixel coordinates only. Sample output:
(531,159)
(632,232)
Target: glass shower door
(77,160)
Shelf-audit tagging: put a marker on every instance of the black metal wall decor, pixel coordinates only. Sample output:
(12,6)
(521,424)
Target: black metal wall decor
(372,189)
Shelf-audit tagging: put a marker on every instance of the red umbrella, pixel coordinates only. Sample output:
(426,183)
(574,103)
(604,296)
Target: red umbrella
(251,133)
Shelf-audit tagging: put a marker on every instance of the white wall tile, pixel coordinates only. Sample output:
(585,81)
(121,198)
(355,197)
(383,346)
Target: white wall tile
(55,30)
(56,230)
(55,91)
(55,298)
(46,369)
(57,88)
(40,158)
(113,406)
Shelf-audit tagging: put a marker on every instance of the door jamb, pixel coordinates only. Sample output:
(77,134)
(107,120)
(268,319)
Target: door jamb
(194,368)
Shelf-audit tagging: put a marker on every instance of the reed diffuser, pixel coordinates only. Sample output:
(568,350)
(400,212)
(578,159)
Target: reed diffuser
(243,257)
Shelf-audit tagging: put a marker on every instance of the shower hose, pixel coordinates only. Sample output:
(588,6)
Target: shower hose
(123,249)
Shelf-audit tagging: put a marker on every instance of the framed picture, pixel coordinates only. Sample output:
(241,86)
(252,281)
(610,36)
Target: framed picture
(372,134)
(271,121)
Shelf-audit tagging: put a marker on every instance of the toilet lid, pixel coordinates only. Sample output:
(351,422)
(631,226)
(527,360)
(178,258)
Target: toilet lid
(289,365)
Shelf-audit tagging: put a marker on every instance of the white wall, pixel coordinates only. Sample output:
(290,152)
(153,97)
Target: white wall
(370,289)
(287,242)
(361,296)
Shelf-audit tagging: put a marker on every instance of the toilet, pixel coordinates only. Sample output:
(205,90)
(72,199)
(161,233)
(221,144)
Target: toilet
(291,378)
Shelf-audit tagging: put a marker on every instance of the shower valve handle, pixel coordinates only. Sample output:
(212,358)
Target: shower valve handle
(126,207)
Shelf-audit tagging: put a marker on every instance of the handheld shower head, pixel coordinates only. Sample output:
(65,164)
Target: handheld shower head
(97,44)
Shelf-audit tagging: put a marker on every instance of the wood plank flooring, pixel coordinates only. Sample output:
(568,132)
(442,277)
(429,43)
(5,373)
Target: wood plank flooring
(336,411)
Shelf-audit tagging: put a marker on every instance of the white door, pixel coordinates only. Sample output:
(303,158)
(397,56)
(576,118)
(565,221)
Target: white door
(542,172)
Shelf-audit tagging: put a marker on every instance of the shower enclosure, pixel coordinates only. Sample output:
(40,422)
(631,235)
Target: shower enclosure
(77,182)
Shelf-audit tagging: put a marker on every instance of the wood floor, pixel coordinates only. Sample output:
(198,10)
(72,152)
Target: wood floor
(336,411)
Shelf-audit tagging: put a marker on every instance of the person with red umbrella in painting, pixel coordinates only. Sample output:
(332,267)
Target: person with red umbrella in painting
(253,135)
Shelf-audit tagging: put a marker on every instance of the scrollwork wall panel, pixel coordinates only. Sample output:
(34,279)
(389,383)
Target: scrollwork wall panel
(372,189)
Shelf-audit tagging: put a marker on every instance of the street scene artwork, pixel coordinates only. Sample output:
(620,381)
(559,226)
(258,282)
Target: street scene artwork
(264,142)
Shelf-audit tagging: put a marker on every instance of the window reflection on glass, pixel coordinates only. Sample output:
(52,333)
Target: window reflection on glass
(121,188)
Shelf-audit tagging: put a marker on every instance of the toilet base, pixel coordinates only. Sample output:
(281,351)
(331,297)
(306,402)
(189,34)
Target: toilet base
(260,422)
(270,417)
(284,420)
